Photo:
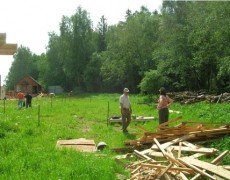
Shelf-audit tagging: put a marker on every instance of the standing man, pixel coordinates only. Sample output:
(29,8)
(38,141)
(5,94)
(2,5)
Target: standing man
(126,109)
(28,100)
(164,102)
(20,99)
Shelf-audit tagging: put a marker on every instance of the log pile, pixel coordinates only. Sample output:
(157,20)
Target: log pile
(201,131)
(194,97)
(174,160)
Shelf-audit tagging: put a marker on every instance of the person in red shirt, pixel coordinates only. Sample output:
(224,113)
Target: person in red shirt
(20,99)
(164,102)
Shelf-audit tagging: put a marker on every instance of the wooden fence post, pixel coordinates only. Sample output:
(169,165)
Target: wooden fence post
(38,115)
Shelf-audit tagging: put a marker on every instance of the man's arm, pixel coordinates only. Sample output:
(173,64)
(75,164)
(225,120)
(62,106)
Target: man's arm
(122,108)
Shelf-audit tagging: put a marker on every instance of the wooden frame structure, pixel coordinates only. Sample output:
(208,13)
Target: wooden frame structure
(5,48)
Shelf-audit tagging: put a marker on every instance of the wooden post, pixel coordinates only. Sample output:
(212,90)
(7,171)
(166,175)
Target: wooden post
(4,105)
(38,115)
(108,115)
(51,97)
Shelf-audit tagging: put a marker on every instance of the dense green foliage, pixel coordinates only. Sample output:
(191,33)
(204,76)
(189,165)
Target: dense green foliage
(186,45)
(28,141)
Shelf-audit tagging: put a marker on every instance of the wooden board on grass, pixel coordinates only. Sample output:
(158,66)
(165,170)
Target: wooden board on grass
(138,119)
(84,145)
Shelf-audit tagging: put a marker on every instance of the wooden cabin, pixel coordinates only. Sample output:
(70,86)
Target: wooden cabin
(28,84)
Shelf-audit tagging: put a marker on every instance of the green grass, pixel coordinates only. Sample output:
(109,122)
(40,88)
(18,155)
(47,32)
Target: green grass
(28,141)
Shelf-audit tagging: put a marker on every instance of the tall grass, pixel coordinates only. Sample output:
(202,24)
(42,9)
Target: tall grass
(28,139)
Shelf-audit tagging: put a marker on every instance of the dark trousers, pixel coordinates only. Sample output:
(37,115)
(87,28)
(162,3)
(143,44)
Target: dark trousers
(126,119)
(163,115)
(28,104)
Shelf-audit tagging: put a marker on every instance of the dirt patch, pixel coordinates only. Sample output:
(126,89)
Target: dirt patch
(85,129)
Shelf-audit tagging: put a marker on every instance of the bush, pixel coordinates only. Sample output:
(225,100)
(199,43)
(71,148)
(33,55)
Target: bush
(152,82)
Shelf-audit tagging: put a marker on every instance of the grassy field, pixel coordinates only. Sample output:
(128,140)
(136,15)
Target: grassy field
(28,137)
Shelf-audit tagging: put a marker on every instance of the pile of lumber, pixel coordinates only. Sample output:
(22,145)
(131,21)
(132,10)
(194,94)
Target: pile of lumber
(201,131)
(194,97)
(176,159)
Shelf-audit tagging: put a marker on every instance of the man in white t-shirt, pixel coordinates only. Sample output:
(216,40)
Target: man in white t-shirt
(126,109)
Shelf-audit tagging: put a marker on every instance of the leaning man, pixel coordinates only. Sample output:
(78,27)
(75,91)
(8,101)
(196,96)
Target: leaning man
(126,110)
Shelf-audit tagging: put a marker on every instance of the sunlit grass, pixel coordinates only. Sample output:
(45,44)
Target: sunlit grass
(28,137)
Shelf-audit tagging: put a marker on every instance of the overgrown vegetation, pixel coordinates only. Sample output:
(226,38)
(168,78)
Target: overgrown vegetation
(28,147)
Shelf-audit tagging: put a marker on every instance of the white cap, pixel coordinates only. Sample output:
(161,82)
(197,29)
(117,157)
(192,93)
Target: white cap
(126,90)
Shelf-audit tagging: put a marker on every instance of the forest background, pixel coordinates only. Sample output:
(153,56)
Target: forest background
(185,46)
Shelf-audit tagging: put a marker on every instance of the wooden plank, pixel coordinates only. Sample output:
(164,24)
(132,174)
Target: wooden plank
(183,177)
(2,41)
(188,144)
(85,145)
(137,163)
(175,161)
(141,128)
(216,161)
(188,149)
(197,155)
(168,177)
(160,147)
(174,141)
(167,123)
(174,168)
(212,132)
(170,158)
(220,171)
(165,170)
(7,52)
(134,120)
(155,154)
(179,151)
(141,155)
(2,36)
(227,167)
(196,169)
(76,141)
(135,170)
(212,123)
(9,46)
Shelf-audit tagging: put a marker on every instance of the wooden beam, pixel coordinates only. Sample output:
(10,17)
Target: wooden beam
(9,46)
(165,170)
(2,36)
(175,141)
(7,51)
(137,153)
(196,169)
(141,128)
(174,168)
(2,41)
(197,150)
(217,123)
(216,161)
(218,170)
(166,155)
(163,125)
(220,158)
